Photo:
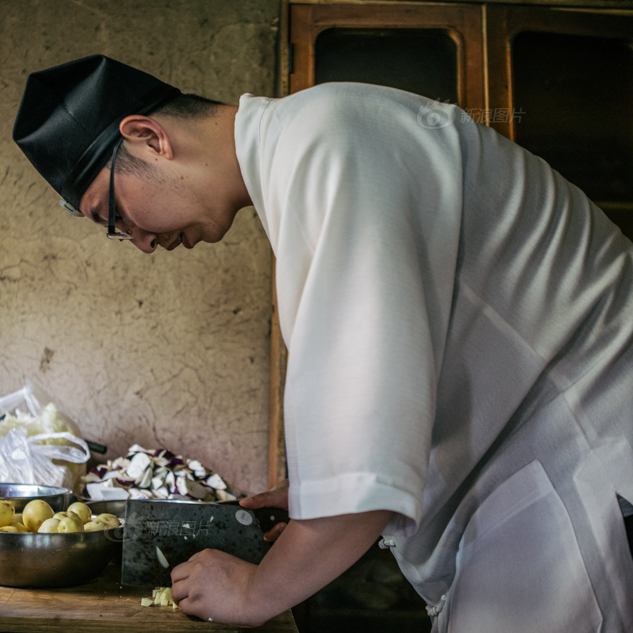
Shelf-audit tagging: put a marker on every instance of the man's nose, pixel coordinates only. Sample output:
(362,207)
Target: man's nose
(145,242)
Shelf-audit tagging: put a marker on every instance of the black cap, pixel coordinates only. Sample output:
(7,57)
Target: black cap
(68,121)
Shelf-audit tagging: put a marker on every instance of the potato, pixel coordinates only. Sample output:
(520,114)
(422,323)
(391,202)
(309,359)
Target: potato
(160,596)
(109,519)
(35,513)
(71,523)
(20,526)
(82,511)
(165,597)
(7,511)
(50,526)
(60,515)
(8,528)
(95,526)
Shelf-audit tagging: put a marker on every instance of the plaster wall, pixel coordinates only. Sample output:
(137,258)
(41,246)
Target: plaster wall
(170,349)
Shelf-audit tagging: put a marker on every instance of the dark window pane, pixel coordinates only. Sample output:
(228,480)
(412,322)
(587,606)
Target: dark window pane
(577,97)
(423,61)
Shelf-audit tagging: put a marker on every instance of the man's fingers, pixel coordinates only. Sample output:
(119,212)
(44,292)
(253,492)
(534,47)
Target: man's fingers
(183,604)
(180,572)
(275,498)
(274,533)
(179,592)
(190,606)
(262,500)
(272,499)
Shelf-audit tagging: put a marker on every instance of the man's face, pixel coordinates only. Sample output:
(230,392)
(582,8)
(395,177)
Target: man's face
(161,211)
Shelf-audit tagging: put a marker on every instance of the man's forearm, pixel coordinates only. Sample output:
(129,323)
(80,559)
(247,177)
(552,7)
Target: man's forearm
(307,556)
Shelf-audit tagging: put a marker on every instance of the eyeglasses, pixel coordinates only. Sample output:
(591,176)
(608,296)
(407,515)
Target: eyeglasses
(113,216)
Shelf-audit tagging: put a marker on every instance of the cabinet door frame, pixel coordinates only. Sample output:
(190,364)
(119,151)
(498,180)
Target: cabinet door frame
(505,22)
(463,22)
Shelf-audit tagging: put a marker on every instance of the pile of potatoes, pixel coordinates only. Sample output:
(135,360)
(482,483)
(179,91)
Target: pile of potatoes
(38,516)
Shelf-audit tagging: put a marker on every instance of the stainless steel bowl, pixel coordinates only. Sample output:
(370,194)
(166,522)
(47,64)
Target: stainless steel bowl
(118,509)
(20,494)
(107,507)
(54,560)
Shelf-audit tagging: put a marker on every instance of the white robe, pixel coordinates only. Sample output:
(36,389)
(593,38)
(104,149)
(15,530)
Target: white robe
(459,322)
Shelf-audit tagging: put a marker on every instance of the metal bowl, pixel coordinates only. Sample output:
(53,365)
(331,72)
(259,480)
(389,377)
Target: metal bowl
(20,494)
(54,560)
(118,509)
(107,507)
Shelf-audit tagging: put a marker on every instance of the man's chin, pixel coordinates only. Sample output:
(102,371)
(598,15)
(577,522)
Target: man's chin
(187,243)
(213,239)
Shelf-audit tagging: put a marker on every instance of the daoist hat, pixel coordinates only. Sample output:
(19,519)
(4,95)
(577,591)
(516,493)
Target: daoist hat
(68,121)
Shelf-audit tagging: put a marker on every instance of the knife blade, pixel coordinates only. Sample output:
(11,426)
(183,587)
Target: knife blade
(160,534)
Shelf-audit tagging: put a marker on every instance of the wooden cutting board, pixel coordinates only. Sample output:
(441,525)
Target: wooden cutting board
(104,605)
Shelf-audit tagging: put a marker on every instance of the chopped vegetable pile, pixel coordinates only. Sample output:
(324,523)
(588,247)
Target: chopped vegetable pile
(160,596)
(156,474)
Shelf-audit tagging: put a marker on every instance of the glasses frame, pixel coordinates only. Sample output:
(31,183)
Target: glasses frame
(113,234)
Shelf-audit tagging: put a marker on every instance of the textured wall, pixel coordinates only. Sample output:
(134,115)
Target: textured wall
(168,349)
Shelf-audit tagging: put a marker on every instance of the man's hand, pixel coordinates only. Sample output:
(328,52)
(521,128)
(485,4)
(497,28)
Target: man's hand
(306,557)
(275,498)
(212,586)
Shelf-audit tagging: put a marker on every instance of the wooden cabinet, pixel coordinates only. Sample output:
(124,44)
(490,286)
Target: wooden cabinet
(557,81)
(567,75)
(416,48)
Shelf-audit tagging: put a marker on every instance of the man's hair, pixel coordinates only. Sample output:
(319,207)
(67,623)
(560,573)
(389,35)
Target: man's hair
(126,163)
(188,106)
(184,106)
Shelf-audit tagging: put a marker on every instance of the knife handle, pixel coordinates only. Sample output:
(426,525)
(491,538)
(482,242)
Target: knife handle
(269,517)
(266,517)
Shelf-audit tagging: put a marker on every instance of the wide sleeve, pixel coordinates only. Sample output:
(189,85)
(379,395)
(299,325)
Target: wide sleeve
(369,221)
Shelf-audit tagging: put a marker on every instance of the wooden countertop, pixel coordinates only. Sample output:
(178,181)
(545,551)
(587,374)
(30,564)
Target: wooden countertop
(104,605)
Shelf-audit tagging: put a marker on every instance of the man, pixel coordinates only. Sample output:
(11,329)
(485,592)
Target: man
(458,321)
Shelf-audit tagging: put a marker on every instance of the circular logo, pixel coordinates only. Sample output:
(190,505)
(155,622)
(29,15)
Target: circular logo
(243,517)
(432,118)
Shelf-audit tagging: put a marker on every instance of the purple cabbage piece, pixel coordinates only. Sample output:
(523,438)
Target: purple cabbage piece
(170,482)
(161,493)
(138,466)
(146,480)
(190,488)
(124,482)
(134,449)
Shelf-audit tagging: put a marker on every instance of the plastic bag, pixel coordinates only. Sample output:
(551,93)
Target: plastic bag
(24,460)
(39,443)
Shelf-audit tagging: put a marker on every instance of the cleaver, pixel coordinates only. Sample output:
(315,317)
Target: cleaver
(160,534)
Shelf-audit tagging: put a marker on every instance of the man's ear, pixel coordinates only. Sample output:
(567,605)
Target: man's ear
(146,134)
